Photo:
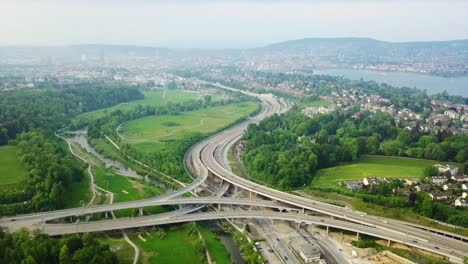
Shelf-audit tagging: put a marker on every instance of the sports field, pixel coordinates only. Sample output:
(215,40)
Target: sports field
(172,127)
(380,166)
(152,98)
(11,171)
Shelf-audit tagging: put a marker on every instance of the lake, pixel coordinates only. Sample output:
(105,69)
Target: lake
(432,84)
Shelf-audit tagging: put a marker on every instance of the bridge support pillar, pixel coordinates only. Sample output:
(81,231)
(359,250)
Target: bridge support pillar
(235,189)
(106,215)
(388,243)
(302,211)
(357,236)
(219,206)
(250,195)
(327,229)
(298,226)
(140,211)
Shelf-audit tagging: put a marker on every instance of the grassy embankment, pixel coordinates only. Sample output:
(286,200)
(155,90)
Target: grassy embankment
(12,173)
(154,133)
(152,98)
(379,166)
(126,189)
(177,246)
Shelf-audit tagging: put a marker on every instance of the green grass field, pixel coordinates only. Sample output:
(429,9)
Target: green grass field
(152,98)
(380,166)
(218,252)
(126,189)
(173,127)
(176,247)
(12,173)
(121,248)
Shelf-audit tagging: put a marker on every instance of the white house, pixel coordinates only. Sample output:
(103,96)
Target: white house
(438,179)
(461,202)
(444,168)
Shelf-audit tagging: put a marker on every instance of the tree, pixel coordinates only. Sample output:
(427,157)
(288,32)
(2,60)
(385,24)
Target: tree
(64,257)
(391,148)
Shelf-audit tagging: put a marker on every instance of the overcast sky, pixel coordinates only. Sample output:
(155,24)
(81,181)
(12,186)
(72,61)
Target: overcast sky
(226,24)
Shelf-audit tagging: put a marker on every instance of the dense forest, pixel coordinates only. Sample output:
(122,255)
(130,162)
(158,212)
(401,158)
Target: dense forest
(51,172)
(49,109)
(28,119)
(286,150)
(20,247)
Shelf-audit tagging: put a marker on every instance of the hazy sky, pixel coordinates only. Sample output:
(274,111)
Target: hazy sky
(226,24)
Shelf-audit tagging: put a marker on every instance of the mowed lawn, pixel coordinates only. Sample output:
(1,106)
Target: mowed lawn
(152,98)
(176,247)
(172,127)
(12,173)
(126,189)
(380,166)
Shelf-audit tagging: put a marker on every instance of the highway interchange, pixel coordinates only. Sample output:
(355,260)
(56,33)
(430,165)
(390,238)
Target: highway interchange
(209,158)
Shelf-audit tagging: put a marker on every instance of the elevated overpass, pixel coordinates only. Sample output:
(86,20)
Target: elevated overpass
(209,158)
(456,254)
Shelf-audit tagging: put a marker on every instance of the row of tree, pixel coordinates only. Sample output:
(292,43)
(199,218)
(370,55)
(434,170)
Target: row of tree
(20,247)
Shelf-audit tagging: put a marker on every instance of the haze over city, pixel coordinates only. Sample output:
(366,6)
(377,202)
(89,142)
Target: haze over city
(226,24)
(233,132)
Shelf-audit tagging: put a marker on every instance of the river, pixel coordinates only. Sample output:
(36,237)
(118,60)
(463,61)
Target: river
(432,84)
(121,168)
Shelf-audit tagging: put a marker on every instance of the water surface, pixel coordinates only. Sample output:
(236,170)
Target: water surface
(432,84)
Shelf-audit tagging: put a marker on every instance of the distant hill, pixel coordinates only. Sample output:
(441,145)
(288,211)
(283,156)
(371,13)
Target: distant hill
(371,48)
(447,58)
(435,57)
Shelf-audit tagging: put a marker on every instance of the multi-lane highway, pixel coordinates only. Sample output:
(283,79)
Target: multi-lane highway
(209,157)
(122,223)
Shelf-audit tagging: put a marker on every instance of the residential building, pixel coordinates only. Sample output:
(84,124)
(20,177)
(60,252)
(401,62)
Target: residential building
(449,186)
(440,196)
(423,187)
(353,185)
(447,168)
(452,114)
(460,178)
(438,179)
(372,180)
(461,202)
(412,181)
